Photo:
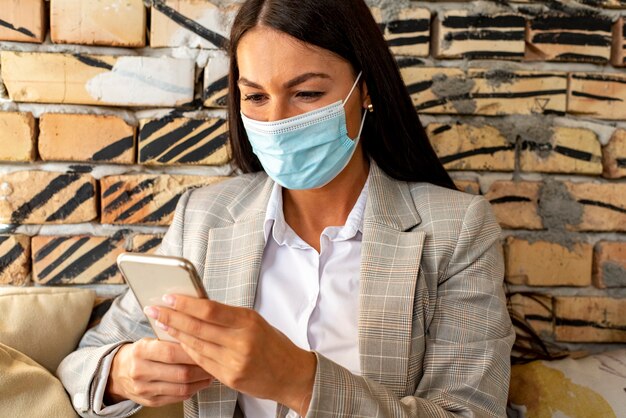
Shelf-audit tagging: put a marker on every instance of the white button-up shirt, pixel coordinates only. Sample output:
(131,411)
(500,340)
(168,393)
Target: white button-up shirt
(311,297)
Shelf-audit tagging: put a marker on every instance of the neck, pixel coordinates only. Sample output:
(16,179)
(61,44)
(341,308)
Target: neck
(308,212)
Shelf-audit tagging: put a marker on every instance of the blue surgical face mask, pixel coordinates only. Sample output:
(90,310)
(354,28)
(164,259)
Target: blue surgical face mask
(305,151)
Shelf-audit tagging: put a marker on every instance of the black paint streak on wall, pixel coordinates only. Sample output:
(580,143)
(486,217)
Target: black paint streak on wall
(190,24)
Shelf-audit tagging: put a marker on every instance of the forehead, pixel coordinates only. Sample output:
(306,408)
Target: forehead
(265,53)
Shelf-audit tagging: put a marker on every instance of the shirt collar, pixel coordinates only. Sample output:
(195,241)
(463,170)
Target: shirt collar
(281,232)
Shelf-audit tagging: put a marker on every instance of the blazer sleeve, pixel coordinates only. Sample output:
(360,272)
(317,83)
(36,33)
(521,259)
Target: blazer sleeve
(123,323)
(468,342)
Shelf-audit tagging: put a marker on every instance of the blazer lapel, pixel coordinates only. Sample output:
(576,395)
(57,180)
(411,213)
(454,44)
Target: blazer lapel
(231,272)
(235,251)
(390,260)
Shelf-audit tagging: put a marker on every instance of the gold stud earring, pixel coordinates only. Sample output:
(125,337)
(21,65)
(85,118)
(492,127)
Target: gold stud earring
(370,108)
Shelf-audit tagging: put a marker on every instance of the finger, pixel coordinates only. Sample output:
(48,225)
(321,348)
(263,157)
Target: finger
(199,349)
(175,389)
(218,370)
(169,318)
(163,352)
(158,401)
(207,310)
(159,372)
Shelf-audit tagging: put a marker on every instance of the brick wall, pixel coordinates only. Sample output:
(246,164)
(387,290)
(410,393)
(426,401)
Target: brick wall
(109,111)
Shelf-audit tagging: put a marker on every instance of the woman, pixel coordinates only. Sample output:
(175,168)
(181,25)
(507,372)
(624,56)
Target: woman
(397,312)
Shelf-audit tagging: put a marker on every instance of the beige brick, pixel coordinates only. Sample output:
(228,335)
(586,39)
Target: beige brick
(428,88)
(604,206)
(467,147)
(515,204)
(24,21)
(183,141)
(81,259)
(590,319)
(484,92)
(536,310)
(597,95)
(618,54)
(558,37)
(103,22)
(14,260)
(543,263)
(215,90)
(460,34)
(146,243)
(17,136)
(609,264)
(38,197)
(97,138)
(97,79)
(408,33)
(501,92)
(614,155)
(190,23)
(145,199)
(569,150)
(467,186)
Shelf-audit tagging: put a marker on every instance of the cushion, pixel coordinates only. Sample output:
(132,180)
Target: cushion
(44,323)
(593,386)
(28,387)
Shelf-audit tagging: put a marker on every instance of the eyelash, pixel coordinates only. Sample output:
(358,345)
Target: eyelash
(308,95)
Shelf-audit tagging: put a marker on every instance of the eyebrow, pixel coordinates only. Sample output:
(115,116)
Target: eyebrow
(289,84)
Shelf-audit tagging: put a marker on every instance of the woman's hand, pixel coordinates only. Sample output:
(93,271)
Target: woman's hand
(239,348)
(154,373)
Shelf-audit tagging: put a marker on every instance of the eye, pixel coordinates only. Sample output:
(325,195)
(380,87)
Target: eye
(309,95)
(254,98)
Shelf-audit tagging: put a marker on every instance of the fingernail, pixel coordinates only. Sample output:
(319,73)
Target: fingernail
(151,312)
(161,325)
(168,299)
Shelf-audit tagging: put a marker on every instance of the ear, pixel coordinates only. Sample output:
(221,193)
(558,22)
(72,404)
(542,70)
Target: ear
(365,95)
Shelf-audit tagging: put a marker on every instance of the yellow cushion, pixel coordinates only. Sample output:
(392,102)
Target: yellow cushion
(45,324)
(589,387)
(28,389)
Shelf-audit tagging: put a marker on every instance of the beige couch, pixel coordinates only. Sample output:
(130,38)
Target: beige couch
(40,326)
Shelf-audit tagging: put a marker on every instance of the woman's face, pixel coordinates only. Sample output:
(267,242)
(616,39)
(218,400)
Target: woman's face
(281,77)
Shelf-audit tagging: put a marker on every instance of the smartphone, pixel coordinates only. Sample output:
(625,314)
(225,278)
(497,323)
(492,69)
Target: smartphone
(152,276)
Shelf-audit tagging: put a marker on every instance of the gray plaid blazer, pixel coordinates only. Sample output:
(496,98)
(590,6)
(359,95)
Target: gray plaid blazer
(434,333)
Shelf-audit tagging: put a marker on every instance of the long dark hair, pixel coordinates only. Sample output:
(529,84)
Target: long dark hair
(393,134)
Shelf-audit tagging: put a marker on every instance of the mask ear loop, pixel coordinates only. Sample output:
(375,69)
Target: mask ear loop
(353,87)
(358,138)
